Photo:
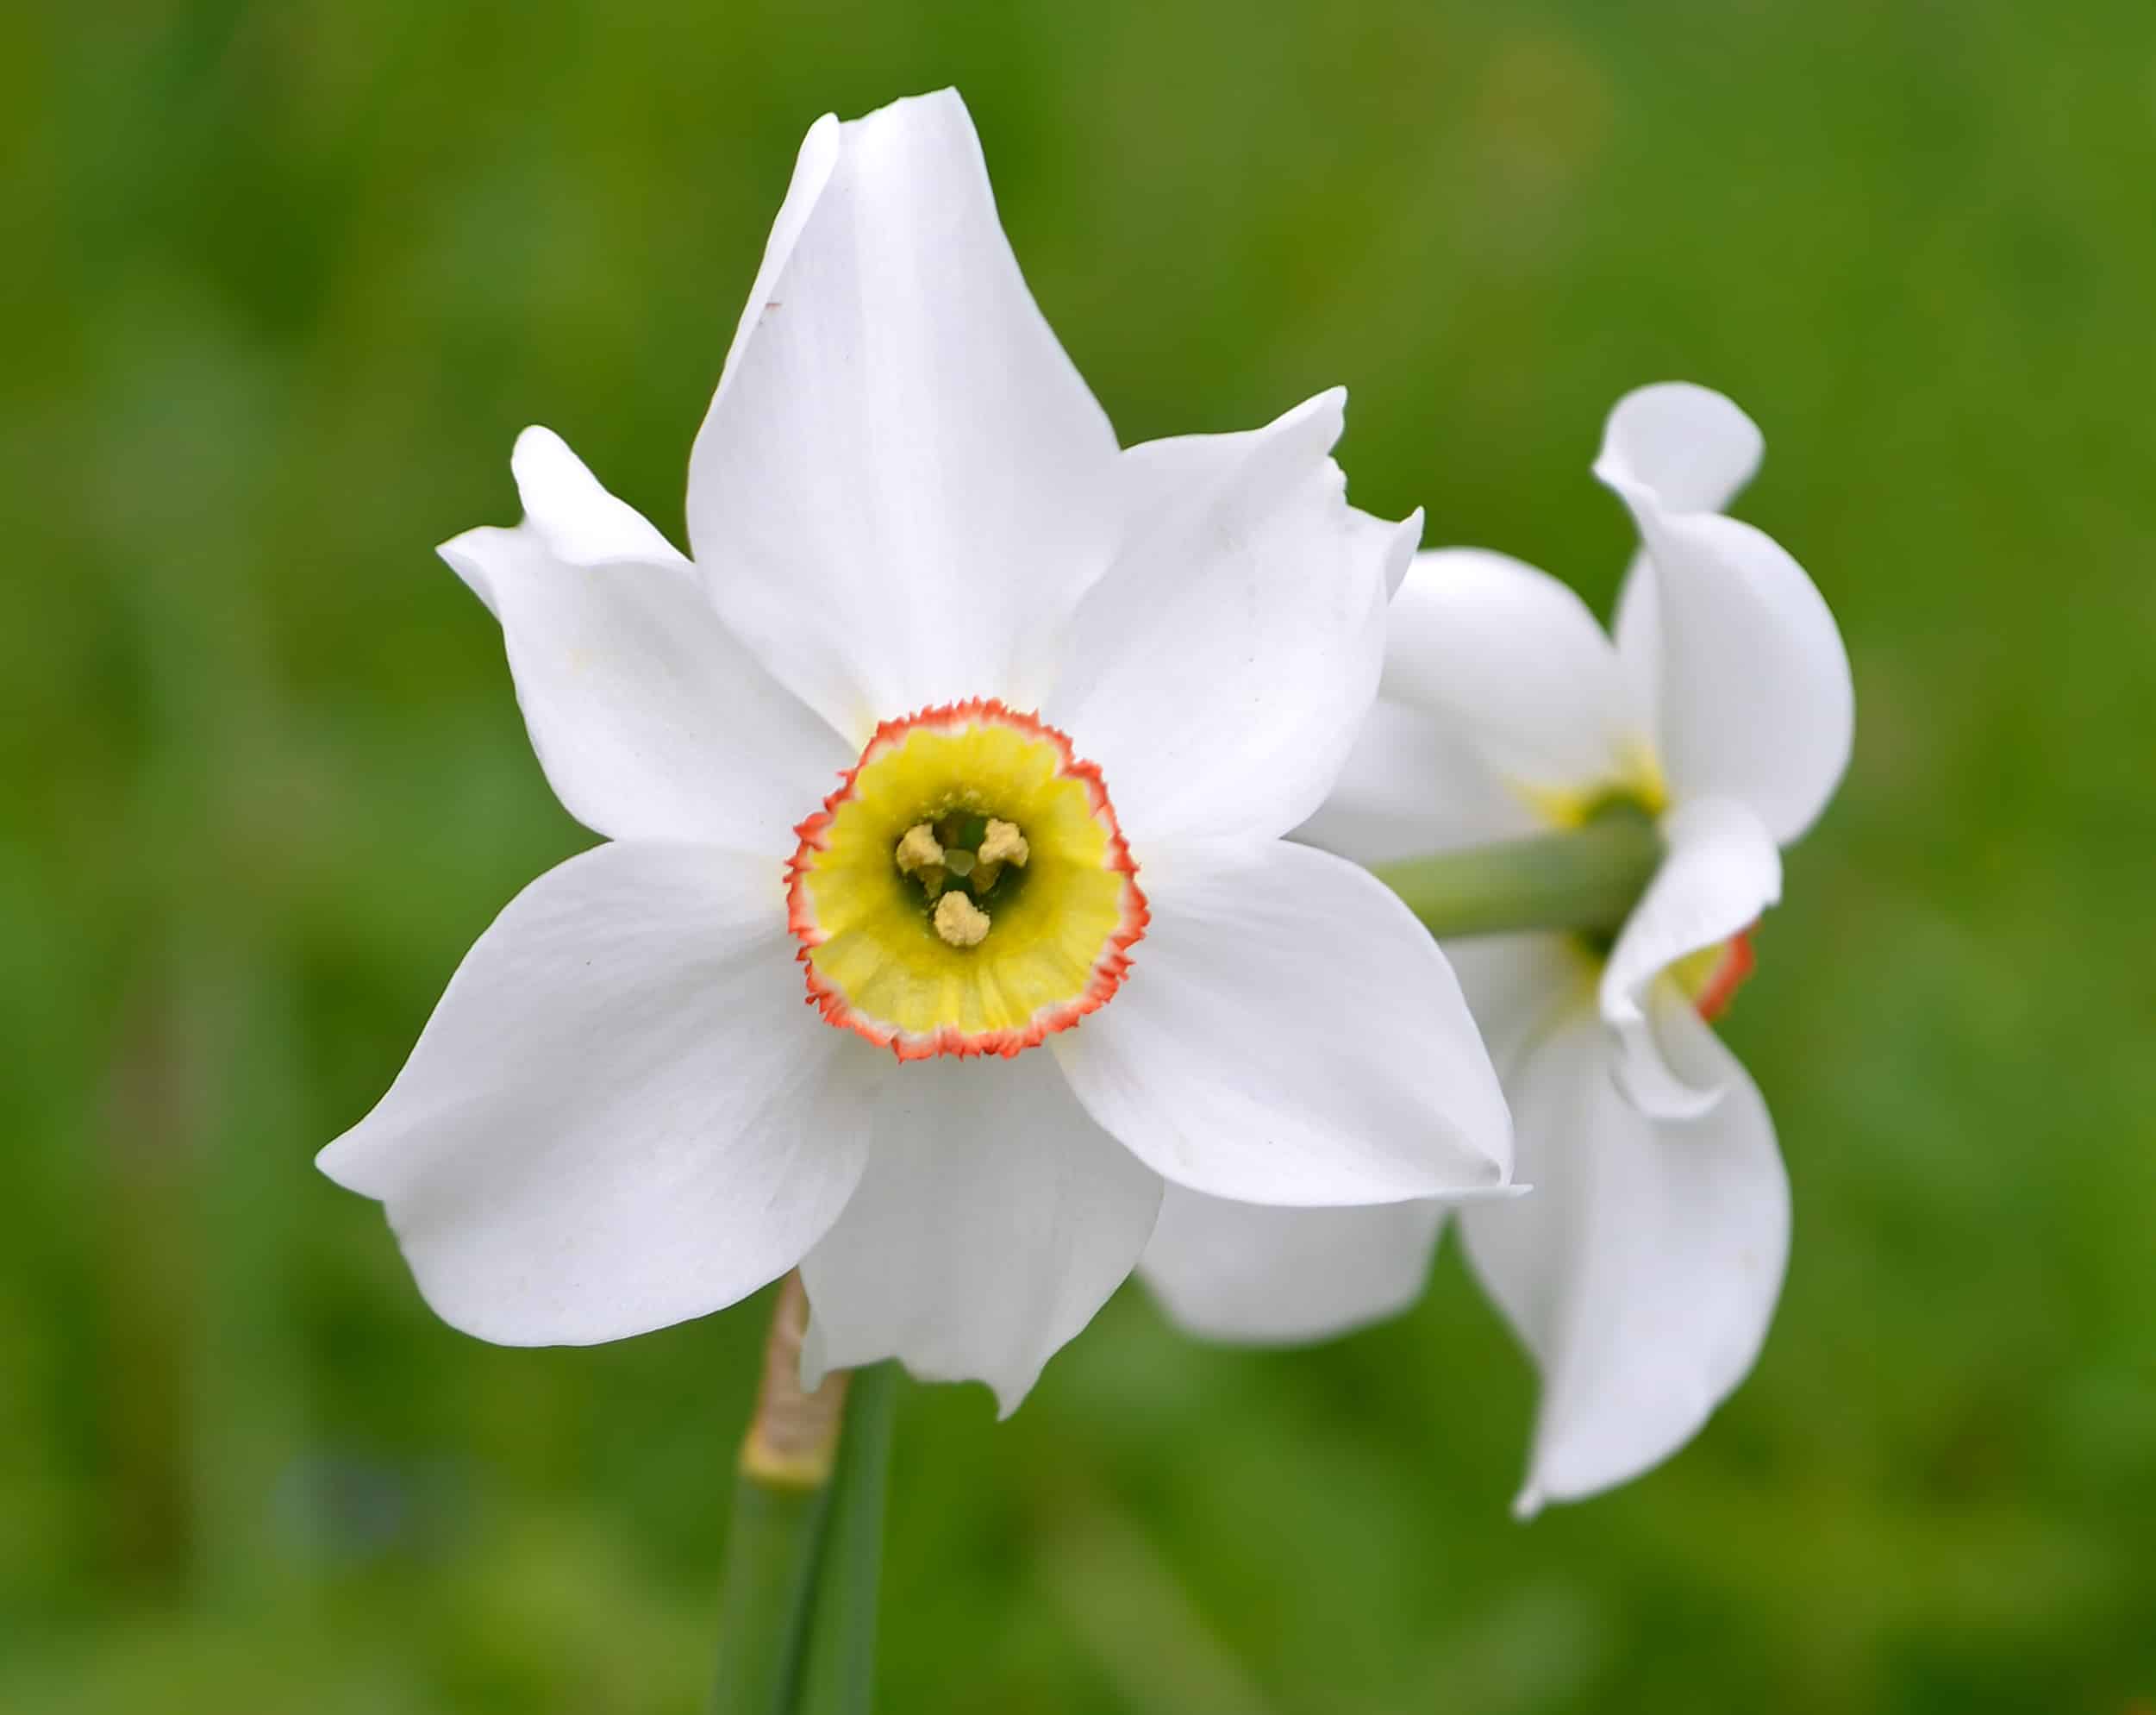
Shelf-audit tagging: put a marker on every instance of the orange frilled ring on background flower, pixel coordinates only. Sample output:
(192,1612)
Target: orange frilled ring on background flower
(966,890)
(1711,977)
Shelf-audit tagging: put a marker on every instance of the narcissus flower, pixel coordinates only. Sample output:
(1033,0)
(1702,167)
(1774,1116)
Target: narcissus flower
(1642,1270)
(945,910)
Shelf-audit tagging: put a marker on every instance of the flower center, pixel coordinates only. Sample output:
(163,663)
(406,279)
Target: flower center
(967,889)
(1638,788)
(957,861)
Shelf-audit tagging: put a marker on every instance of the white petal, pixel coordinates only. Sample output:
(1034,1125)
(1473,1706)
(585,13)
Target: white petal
(1242,1272)
(1695,449)
(903,483)
(1289,1033)
(1637,628)
(649,717)
(577,518)
(1413,784)
(1401,542)
(1517,986)
(1692,446)
(621,1115)
(1721,871)
(1511,661)
(994,1219)
(1643,1271)
(1752,688)
(1217,672)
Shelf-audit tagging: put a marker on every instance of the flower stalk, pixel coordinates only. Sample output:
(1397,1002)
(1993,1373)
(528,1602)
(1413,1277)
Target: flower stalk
(782,1495)
(1585,879)
(839,1660)
(804,1555)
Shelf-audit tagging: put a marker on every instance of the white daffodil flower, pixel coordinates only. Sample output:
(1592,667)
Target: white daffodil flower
(773,1023)
(1643,1270)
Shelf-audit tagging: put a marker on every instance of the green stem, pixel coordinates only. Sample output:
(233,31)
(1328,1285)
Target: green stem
(839,1671)
(770,1554)
(780,1500)
(1588,878)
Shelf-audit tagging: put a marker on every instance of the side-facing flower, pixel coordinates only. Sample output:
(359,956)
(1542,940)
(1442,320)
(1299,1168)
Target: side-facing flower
(1072,698)
(1643,1270)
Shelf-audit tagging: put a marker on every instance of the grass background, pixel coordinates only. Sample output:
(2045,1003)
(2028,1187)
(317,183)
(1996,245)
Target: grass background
(283,281)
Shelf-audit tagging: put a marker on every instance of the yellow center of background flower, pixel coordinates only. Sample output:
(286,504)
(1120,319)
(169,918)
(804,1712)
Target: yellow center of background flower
(920,926)
(1709,978)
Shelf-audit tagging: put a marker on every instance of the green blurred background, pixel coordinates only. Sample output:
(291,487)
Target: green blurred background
(283,282)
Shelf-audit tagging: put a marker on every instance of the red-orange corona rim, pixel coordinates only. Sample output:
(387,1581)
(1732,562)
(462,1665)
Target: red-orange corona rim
(1733,966)
(1711,977)
(966,890)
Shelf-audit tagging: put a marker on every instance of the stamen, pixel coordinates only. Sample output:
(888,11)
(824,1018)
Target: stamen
(1003,843)
(960,921)
(928,852)
(918,851)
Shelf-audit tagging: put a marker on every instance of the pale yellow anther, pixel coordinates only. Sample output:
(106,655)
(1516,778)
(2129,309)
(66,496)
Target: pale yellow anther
(919,849)
(1003,843)
(960,921)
